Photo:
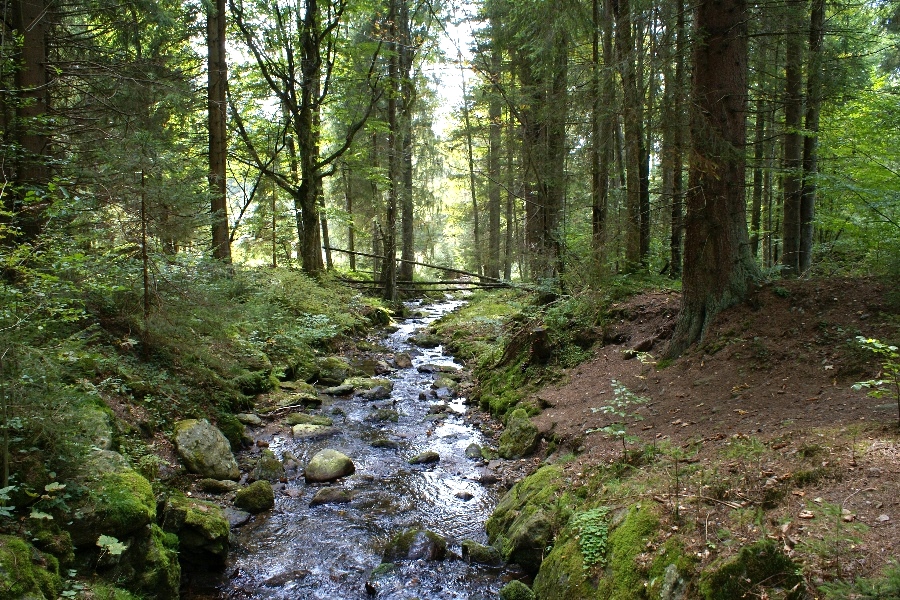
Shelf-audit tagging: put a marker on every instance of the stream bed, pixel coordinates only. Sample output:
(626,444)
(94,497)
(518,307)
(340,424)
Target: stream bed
(330,551)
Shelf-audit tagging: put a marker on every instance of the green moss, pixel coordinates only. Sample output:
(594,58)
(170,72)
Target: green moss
(520,437)
(48,537)
(305,419)
(149,567)
(201,527)
(526,520)
(255,382)
(626,542)
(562,573)
(256,497)
(25,572)
(102,591)
(233,430)
(516,590)
(761,565)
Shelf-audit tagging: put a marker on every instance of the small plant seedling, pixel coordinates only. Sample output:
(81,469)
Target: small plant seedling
(620,406)
(889,385)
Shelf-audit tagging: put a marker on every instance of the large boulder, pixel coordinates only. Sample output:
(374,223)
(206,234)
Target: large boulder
(332,370)
(149,565)
(25,573)
(204,450)
(255,498)
(327,465)
(520,437)
(116,503)
(523,523)
(415,544)
(201,527)
(762,568)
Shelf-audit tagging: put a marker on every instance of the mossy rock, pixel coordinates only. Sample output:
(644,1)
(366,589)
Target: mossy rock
(331,370)
(201,527)
(104,591)
(761,566)
(425,458)
(527,518)
(218,486)
(618,575)
(234,431)
(331,495)
(368,383)
(516,590)
(520,437)
(415,544)
(26,573)
(255,498)
(306,419)
(268,467)
(381,415)
(149,567)
(313,432)
(298,387)
(116,504)
(474,552)
(47,536)
(252,383)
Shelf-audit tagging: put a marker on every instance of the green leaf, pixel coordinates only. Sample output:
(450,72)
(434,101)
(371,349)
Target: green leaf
(111,544)
(36,514)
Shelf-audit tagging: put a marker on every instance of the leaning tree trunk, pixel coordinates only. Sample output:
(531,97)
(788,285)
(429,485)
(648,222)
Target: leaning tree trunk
(718,269)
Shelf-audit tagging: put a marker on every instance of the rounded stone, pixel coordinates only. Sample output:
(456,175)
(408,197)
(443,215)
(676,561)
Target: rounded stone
(327,465)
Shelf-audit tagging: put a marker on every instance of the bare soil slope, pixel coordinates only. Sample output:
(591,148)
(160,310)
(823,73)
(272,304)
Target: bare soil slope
(763,409)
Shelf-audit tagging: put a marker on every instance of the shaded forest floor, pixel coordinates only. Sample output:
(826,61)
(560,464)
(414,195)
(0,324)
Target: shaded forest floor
(755,432)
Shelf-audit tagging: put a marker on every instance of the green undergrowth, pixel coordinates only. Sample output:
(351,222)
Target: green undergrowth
(517,344)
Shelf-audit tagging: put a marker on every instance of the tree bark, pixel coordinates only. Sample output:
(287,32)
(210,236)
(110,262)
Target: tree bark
(407,103)
(793,142)
(218,150)
(495,114)
(810,140)
(719,269)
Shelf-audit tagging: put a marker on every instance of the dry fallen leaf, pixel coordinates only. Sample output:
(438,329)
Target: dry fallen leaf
(806,514)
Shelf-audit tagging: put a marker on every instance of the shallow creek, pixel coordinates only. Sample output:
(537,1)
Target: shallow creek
(329,551)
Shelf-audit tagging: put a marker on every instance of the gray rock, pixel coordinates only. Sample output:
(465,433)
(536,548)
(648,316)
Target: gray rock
(236,518)
(330,495)
(402,360)
(327,465)
(385,443)
(312,432)
(332,370)
(381,415)
(424,458)
(218,486)
(520,437)
(339,390)
(305,419)
(377,393)
(249,419)
(204,450)
(473,451)
(415,544)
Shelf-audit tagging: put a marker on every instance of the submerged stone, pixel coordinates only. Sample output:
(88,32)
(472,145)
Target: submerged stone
(425,458)
(331,495)
(415,544)
(474,552)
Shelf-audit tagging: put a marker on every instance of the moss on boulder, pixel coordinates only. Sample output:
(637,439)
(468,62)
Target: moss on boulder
(474,552)
(520,437)
(268,467)
(415,544)
(327,465)
(118,503)
(759,567)
(201,527)
(149,567)
(516,590)
(26,573)
(527,518)
(256,497)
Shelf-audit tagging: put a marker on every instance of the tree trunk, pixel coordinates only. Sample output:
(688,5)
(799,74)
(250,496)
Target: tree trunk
(407,103)
(218,136)
(680,107)
(811,137)
(632,109)
(718,269)
(31,171)
(495,115)
(476,233)
(793,142)
(390,235)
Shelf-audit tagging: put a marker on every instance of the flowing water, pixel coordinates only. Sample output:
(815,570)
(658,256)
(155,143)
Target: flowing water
(329,551)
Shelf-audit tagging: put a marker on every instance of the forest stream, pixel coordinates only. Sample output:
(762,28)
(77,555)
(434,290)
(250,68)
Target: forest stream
(330,551)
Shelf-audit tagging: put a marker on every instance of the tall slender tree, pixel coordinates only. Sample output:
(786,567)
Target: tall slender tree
(218,134)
